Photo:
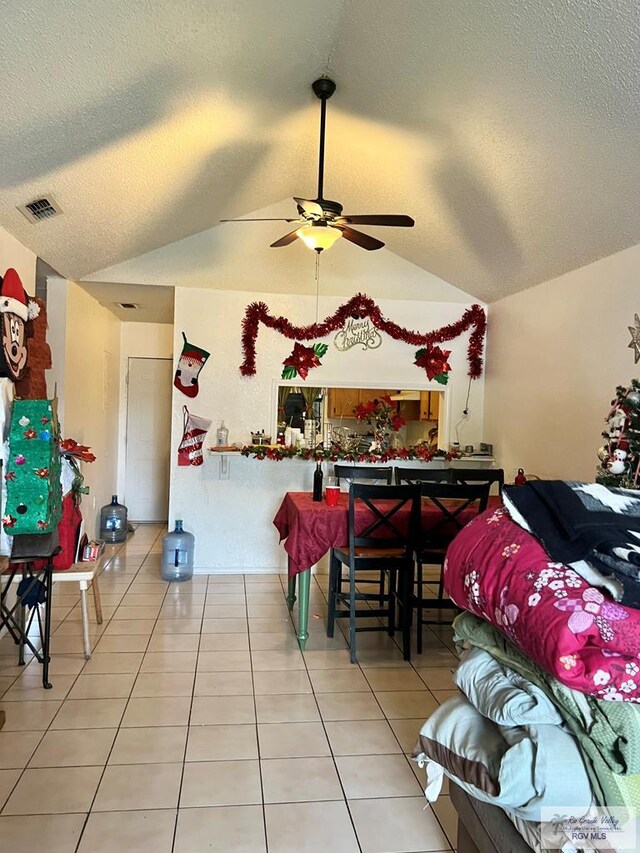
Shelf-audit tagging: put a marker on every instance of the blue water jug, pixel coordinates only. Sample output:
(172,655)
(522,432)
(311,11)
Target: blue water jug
(113,521)
(177,554)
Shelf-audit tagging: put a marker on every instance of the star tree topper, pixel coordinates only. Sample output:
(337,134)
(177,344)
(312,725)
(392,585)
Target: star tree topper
(635,338)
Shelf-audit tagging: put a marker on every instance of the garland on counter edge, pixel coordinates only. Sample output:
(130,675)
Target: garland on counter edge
(359,307)
(334,454)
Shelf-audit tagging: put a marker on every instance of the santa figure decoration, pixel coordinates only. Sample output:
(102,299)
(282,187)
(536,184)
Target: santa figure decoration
(16,309)
(192,360)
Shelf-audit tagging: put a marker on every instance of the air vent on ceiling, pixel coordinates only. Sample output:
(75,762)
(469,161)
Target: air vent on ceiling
(130,306)
(40,208)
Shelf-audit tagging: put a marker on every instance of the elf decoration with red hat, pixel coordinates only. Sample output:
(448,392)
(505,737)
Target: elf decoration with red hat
(16,308)
(192,360)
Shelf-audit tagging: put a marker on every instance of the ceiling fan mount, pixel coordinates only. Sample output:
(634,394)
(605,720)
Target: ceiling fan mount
(323,88)
(320,220)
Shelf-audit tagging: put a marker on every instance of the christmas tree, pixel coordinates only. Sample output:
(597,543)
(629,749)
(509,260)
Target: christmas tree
(620,456)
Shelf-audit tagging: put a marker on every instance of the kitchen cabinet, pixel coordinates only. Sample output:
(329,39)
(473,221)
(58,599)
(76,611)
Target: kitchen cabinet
(342,402)
(409,409)
(366,394)
(429,405)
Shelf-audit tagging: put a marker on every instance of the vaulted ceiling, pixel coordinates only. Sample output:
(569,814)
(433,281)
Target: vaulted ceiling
(510,129)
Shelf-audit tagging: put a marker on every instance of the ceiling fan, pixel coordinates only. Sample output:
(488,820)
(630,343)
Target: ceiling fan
(321,221)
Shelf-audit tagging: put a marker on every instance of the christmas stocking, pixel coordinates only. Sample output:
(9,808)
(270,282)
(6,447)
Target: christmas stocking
(193,435)
(192,360)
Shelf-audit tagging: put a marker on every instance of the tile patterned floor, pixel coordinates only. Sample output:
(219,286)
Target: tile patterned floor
(199,725)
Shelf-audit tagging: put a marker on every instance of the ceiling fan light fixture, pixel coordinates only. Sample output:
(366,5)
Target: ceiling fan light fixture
(319,237)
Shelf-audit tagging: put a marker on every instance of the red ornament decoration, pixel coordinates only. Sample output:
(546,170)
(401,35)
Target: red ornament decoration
(520,479)
(359,307)
(302,360)
(434,361)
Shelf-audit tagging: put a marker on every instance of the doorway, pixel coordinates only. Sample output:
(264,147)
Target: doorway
(148,438)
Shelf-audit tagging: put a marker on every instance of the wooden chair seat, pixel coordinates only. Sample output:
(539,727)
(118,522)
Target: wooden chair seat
(377,553)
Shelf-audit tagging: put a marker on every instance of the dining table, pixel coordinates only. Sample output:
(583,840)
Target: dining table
(310,529)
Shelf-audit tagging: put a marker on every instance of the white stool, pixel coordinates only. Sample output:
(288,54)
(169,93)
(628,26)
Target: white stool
(84,574)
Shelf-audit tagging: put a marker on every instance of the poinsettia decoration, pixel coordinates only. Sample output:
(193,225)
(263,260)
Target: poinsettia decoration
(434,361)
(381,413)
(302,360)
(70,447)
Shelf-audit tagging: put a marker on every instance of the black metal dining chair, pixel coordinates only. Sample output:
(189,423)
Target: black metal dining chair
(363,472)
(456,504)
(387,545)
(423,475)
(479,475)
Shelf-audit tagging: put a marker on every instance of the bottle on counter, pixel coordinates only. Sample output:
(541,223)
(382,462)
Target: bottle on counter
(222,435)
(317,482)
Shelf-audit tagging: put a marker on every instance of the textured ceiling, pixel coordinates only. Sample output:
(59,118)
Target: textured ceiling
(510,129)
(154,304)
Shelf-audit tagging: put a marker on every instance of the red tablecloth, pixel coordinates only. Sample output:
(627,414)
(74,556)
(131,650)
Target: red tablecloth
(312,528)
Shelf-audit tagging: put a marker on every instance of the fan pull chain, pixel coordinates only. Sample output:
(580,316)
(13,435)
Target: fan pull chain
(317,286)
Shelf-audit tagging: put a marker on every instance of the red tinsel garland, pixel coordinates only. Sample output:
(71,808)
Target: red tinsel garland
(359,307)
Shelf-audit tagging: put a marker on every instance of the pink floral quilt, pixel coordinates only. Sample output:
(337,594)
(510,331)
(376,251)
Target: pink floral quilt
(502,574)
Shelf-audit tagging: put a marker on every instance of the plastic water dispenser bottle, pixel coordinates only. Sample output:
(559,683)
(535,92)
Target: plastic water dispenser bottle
(177,554)
(113,521)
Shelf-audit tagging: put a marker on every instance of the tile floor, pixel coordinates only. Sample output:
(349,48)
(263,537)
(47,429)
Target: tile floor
(199,725)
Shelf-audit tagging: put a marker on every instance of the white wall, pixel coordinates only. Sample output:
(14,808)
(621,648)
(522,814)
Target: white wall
(91,391)
(137,340)
(23,260)
(231,519)
(555,355)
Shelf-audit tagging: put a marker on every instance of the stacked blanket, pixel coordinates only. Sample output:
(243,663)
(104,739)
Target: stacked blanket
(499,572)
(500,741)
(608,733)
(550,682)
(591,528)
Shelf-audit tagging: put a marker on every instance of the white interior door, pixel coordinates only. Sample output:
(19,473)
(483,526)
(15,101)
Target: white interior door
(148,438)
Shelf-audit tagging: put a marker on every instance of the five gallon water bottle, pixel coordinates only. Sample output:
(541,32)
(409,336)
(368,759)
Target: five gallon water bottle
(113,521)
(177,555)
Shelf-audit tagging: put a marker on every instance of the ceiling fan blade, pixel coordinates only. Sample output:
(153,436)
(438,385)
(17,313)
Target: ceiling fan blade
(284,241)
(389,219)
(310,207)
(259,220)
(360,239)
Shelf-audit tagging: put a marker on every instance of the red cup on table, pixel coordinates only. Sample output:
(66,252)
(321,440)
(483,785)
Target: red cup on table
(332,491)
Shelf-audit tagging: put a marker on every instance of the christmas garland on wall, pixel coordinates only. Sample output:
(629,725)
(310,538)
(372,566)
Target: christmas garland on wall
(336,454)
(359,307)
